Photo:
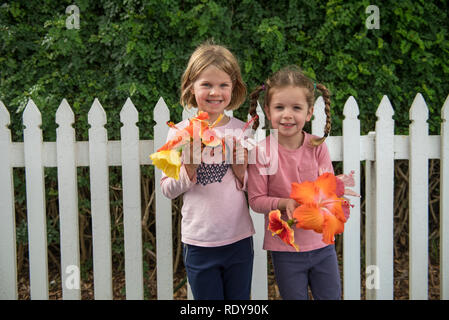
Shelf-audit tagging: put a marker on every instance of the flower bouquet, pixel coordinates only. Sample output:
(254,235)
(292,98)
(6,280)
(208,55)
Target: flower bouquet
(322,208)
(168,157)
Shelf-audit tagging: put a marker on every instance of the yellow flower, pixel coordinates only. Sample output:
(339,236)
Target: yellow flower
(169,161)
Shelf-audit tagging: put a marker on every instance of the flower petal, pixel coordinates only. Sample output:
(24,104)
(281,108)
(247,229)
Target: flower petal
(171,144)
(210,138)
(169,161)
(309,217)
(347,179)
(326,183)
(279,227)
(345,208)
(331,227)
(202,115)
(340,189)
(288,236)
(333,205)
(274,222)
(350,192)
(305,192)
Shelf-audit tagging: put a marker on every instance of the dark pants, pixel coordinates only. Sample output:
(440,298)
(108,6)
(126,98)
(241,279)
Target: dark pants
(295,271)
(220,273)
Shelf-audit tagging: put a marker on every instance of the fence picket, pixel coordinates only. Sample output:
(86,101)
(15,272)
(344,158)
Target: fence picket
(164,241)
(100,211)
(370,225)
(418,199)
(319,117)
(351,236)
(68,202)
(131,201)
(384,173)
(187,114)
(378,148)
(35,195)
(259,285)
(444,203)
(8,264)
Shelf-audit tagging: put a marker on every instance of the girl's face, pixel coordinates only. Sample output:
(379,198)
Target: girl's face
(213,91)
(288,112)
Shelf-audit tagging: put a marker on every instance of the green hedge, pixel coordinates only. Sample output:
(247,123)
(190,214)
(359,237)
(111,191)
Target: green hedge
(137,49)
(140,49)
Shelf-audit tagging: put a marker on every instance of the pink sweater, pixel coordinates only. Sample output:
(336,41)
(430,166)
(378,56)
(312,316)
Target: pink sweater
(265,191)
(213,214)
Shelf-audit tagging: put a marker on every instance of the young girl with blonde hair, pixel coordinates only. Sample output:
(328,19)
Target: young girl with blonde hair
(216,228)
(288,104)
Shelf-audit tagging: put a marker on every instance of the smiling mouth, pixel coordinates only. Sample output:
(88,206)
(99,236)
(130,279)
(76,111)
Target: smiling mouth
(214,101)
(288,125)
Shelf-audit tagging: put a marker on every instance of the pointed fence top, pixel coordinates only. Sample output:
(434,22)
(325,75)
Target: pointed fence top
(385,109)
(419,110)
(64,114)
(161,112)
(351,109)
(445,109)
(319,119)
(319,106)
(4,115)
(96,115)
(32,116)
(129,113)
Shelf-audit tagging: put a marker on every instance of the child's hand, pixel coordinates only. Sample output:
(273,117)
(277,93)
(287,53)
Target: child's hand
(239,160)
(290,207)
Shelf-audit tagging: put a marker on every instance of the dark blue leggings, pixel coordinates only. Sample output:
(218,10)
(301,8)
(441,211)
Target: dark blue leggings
(295,271)
(220,273)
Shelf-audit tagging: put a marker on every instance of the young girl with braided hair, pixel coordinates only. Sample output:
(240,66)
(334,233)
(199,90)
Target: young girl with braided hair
(288,102)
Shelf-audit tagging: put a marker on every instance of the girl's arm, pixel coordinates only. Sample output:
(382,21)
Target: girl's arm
(172,188)
(258,197)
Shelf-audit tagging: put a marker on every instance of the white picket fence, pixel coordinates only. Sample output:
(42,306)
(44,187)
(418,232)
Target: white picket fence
(379,149)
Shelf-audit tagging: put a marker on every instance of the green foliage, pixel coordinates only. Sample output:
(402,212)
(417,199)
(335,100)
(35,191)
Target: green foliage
(140,49)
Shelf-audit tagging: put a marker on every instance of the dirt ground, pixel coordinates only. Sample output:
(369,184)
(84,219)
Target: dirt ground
(87,290)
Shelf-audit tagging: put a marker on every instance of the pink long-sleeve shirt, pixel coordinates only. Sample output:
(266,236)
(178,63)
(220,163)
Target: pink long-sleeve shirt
(214,214)
(265,190)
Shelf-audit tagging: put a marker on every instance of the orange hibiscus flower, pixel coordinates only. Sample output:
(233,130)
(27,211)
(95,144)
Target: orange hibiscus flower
(167,157)
(198,128)
(281,228)
(320,208)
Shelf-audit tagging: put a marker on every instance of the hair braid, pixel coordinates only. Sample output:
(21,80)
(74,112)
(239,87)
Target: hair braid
(253,98)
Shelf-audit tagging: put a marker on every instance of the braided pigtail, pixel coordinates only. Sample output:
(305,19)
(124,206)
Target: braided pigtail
(327,110)
(253,97)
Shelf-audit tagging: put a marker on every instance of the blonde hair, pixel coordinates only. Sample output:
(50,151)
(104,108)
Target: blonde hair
(292,76)
(209,54)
